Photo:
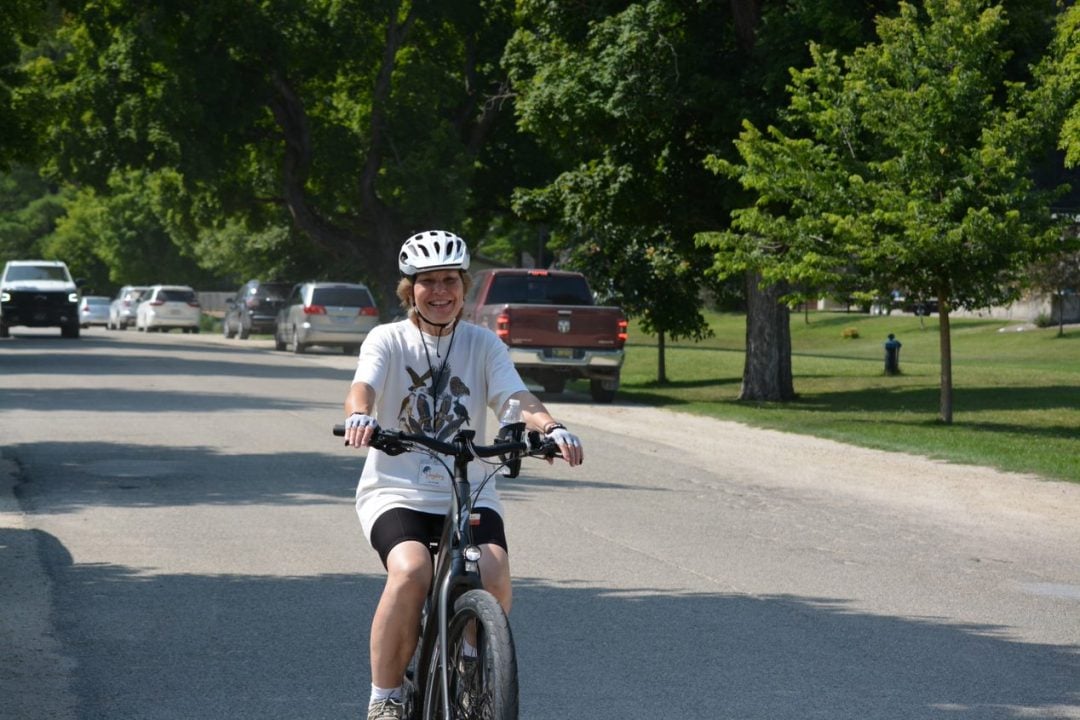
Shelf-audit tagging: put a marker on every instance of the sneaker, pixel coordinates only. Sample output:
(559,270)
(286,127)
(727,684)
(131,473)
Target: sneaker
(388,709)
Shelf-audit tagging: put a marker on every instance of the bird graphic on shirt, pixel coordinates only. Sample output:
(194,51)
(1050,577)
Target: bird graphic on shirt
(457,387)
(418,380)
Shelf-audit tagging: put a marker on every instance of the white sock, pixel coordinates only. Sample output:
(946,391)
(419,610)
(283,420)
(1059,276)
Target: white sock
(468,649)
(379,694)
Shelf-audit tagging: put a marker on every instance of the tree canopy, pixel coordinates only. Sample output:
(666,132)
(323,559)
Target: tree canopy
(354,125)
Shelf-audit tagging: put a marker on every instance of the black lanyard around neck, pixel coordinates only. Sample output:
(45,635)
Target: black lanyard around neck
(436,379)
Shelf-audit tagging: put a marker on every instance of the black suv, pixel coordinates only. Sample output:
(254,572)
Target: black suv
(255,308)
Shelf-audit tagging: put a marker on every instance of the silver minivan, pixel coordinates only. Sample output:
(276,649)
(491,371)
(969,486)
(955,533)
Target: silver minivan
(326,313)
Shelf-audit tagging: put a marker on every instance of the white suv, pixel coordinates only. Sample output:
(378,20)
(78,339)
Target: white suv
(38,293)
(164,307)
(326,313)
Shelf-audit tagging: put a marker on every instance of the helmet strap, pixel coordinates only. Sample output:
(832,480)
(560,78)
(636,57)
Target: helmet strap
(441,326)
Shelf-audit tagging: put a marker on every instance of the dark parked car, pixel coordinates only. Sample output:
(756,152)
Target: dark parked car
(254,309)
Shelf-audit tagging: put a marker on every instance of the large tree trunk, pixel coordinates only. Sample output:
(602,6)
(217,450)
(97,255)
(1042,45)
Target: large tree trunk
(767,370)
(945,339)
(747,15)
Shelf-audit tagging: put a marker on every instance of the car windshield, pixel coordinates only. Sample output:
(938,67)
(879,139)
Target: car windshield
(341,297)
(539,290)
(184,296)
(37,272)
(273,291)
(96,300)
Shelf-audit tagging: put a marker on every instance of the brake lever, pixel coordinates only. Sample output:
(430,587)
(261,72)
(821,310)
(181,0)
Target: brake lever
(542,447)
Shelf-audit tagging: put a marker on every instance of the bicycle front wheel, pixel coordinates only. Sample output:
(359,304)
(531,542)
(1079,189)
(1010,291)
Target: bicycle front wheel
(484,686)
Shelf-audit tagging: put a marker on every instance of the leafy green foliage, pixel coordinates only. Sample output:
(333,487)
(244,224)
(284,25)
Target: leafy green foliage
(1060,90)
(29,209)
(283,126)
(20,22)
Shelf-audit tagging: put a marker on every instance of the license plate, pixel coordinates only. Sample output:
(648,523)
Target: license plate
(562,352)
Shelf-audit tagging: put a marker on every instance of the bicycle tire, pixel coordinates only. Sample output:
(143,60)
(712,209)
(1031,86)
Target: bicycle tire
(485,688)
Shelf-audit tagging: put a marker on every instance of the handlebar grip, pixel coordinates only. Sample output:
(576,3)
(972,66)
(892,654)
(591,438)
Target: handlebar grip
(339,430)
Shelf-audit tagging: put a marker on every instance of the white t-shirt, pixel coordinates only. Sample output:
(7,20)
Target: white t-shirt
(437,392)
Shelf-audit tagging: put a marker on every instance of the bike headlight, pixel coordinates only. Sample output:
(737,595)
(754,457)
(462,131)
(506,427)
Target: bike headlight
(472,553)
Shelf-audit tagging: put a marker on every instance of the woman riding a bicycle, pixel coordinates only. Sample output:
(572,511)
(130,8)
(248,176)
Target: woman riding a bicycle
(429,374)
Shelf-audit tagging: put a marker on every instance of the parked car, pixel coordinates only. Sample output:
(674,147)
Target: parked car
(326,313)
(122,308)
(254,309)
(93,310)
(165,307)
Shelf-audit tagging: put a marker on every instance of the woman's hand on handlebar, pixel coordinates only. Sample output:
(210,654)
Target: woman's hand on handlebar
(359,429)
(569,446)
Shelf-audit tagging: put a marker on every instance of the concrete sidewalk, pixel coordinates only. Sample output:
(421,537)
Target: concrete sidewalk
(34,674)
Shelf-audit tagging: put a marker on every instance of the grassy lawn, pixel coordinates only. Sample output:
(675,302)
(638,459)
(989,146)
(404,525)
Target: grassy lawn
(1016,394)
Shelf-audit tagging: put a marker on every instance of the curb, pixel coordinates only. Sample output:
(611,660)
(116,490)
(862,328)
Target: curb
(35,677)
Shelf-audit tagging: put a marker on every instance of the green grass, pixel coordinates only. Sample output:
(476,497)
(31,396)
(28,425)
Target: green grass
(1016,397)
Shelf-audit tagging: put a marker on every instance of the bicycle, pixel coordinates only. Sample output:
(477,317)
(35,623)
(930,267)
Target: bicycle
(457,606)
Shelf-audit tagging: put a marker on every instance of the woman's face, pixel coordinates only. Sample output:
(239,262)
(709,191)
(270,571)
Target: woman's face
(439,295)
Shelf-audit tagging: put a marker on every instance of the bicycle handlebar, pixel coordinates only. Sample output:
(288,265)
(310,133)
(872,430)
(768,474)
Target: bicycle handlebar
(395,442)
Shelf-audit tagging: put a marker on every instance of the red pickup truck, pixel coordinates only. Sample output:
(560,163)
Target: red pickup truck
(553,329)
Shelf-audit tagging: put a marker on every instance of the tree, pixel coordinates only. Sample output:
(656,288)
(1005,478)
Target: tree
(1058,275)
(117,237)
(19,23)
(906,163)
(1060,86)
(629,98)
(616,92)
(357,124)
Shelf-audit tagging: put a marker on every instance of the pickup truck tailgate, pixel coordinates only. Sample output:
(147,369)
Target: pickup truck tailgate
(561,326)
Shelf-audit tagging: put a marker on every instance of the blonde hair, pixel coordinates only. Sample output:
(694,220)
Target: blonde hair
(405,292)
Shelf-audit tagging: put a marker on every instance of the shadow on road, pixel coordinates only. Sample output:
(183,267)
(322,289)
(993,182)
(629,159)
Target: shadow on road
(195,646)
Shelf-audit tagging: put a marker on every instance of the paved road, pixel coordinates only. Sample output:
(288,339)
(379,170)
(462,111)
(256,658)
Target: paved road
(177,541)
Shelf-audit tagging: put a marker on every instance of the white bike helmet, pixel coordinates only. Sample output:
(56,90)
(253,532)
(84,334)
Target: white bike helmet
(433,250)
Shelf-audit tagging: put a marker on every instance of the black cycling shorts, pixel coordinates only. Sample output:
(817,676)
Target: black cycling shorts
(400,524)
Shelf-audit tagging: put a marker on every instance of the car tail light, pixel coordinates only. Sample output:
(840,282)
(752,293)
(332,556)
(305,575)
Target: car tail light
(502,326)
(369,312)
(314,309)
(156,303)
(622,334)
(193,303)
(538,273)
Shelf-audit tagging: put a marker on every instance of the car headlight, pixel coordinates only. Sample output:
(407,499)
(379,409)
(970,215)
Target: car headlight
(73,297)
(5,296)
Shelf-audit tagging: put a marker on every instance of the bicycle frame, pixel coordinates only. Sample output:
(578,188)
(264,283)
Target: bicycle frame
(456,563)
(453,573)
